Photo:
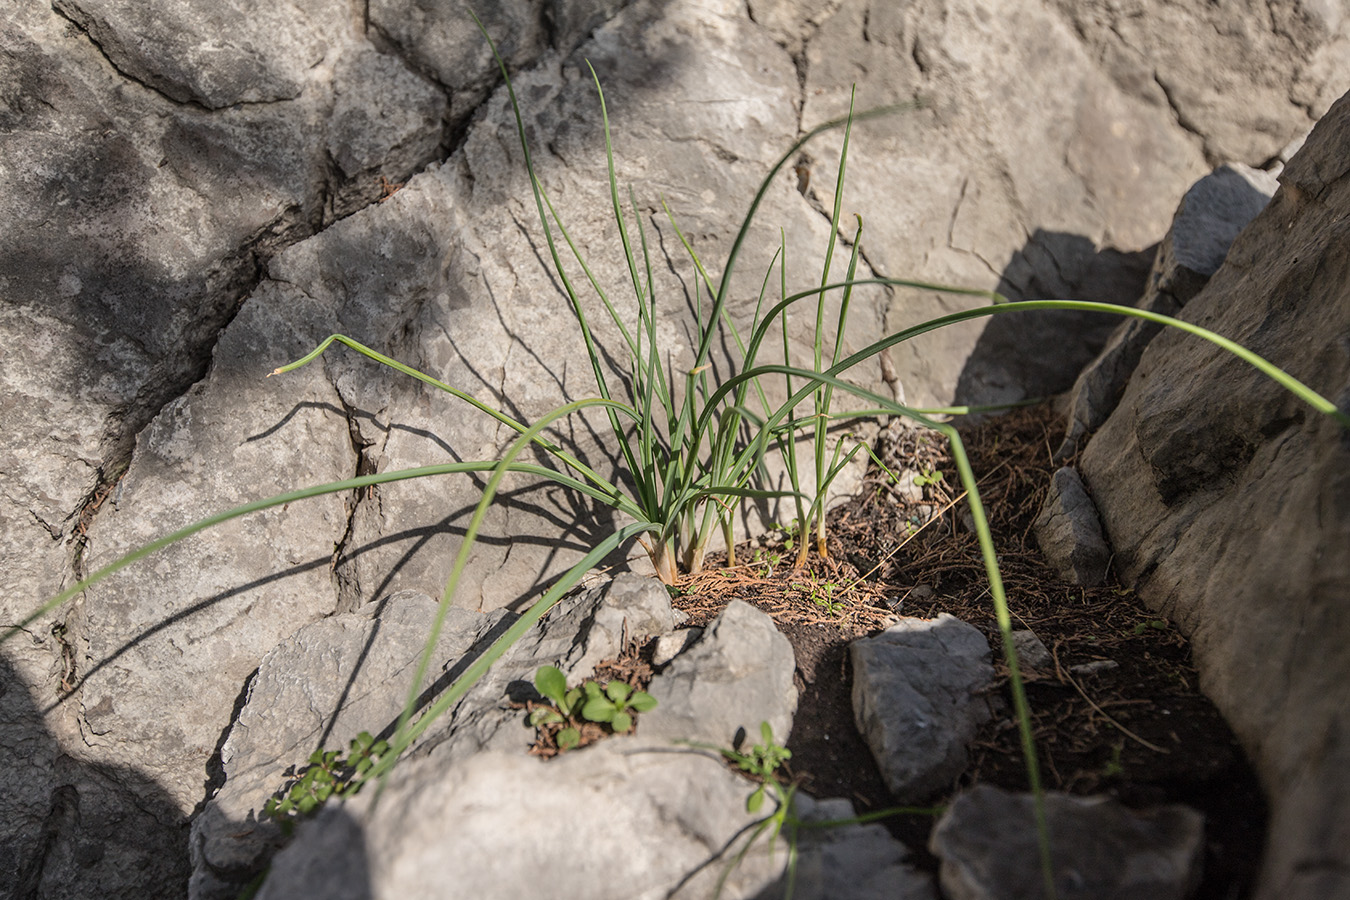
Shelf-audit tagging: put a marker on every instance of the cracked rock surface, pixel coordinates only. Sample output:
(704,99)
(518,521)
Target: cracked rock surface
(192,197)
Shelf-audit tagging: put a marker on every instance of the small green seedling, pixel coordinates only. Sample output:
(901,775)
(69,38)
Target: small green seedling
(761,761)
(614,704)
(929,477)
(552,684)
(1113,767)
(1155,624)
(823,596)
(328,774)
(767,562)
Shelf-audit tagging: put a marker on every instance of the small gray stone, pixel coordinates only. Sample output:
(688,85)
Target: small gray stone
(1069,533)
(1031,650)
(1092,668)
(987,841)
(669,646)
(916,700)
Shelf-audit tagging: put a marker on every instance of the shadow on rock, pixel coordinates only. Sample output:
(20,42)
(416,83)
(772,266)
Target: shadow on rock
(77,830)
(1036,354)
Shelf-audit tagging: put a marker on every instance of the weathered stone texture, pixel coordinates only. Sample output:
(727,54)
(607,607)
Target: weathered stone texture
(1225,499)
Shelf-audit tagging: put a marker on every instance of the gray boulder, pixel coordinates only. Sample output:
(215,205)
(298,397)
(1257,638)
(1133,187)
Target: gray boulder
(1225,500)
(620,819)
(917,700)
(988,847)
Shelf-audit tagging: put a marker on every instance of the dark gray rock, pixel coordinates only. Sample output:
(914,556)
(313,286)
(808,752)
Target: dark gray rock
(1069,532)
(987,844)
(1213,212)
(1031,650)
(1225,500)
(917,700)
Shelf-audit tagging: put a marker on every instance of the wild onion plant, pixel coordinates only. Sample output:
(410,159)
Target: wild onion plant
(691,449)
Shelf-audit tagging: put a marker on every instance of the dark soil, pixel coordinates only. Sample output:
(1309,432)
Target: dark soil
(1138,730)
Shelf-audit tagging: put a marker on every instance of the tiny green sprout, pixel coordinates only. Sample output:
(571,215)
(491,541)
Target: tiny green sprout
(552,684)
(761,761)
(822,595)
(929,476)
(1155,624)
(1113,767)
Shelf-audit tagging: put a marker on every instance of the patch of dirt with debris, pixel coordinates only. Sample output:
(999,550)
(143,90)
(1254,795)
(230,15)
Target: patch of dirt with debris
(1116,711)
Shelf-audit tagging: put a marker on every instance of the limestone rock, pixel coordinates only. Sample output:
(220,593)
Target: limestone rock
(917,703)
(216,56)
(183,189)
(1213,212)
(1225,500)
(987,844)
(616,820)
(318,690)
(1069,532)
(584,629)
(743,644)
(622,818)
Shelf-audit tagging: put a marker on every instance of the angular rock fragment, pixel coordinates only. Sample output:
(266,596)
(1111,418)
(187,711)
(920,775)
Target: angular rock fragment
(738,675)
(917,703)
(1069,532)
(1031,650)
(987,841)
(850,862)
